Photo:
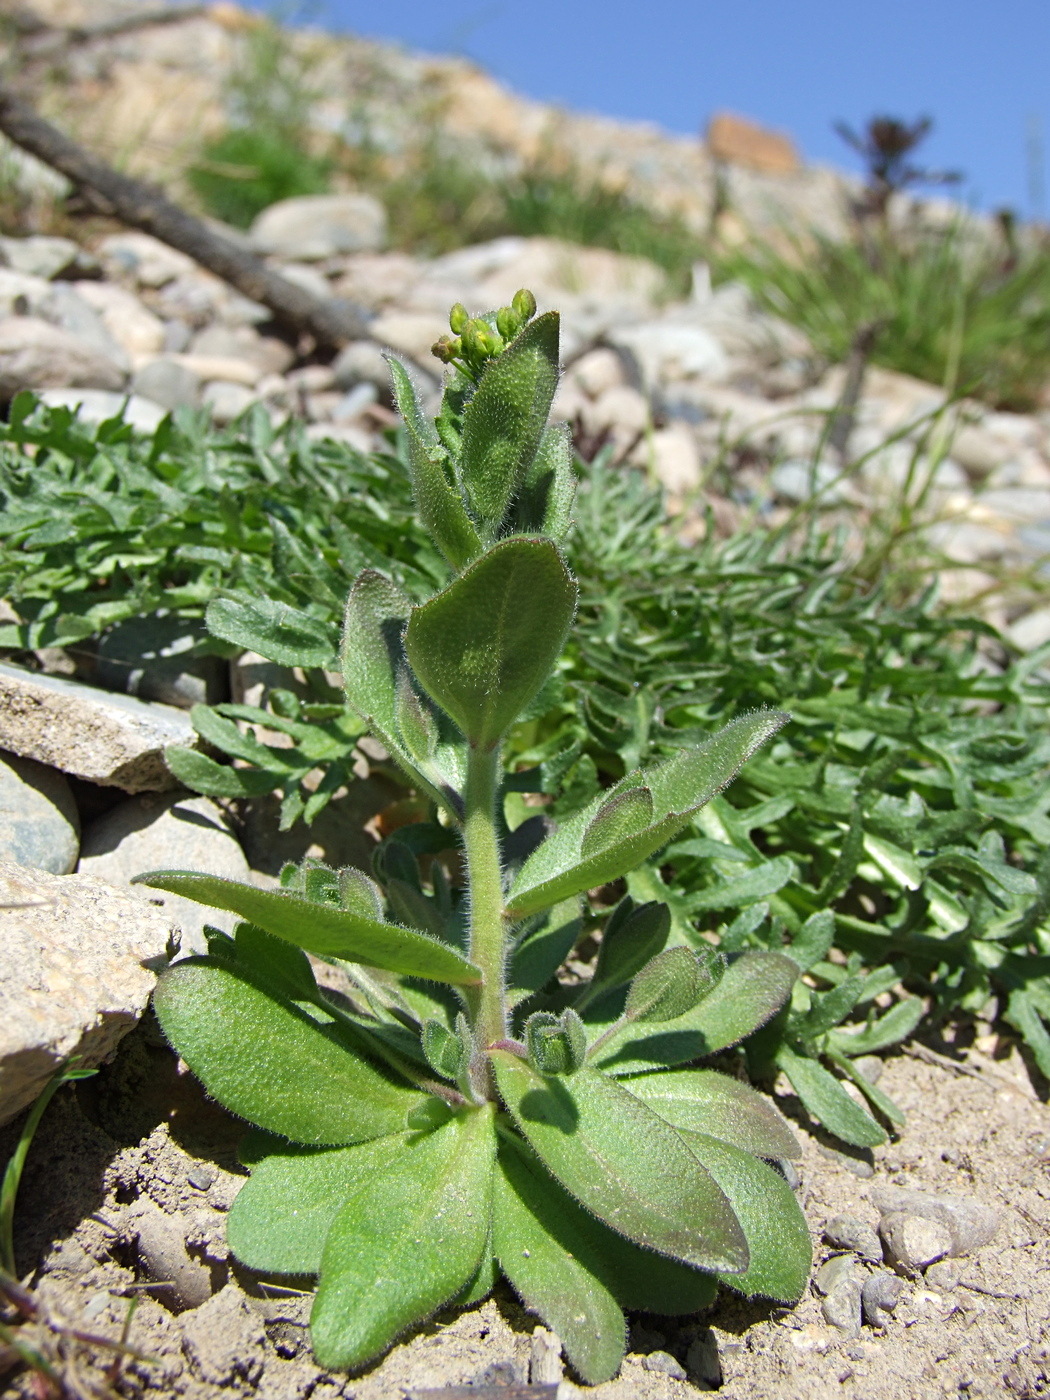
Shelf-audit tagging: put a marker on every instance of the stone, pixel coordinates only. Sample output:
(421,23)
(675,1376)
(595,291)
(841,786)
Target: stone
(133,326)
(675,458)
(363,362)
(1031,631)
(143,258)
(847,1232)
(353,404)
(180,1281)
(224,1340)
(797,481)
(978,451)
(702,1361)
(839,1269)
(410,332)
(970,1223)
(619,406)
(222,367)
(318,226)
(545,1366)
(664,351)
(742,142)
(40,255)
(268,354)
(226,400)
(944,1274)
(913,1242)
(112,740)
(1021,505)
(37,355)
(78,962)
(598,371)
(665,1364)
(98,405)
(66,308)
(159,832)
(879,1296)
(841,1306)
(39,825)
(157,657)
(22,294)
(168,383)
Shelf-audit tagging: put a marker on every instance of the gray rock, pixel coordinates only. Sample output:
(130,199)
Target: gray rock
(1030,631)
(841,1307)
(666,1364)
(944,1274)
(702,1360)
(969,1223)
(313,227)
(133,326)
(859,1161)
(39,826)
(182,1282)
(144,258)
(112,740)
(66,308)
(155,658)
(797,481)
(913,1242)
(40,255)
(159,832)
(363,362)
(545,1367)
(168,383)
(77,967)
(879,1296)
(98,405)
(1020,504)
(836,1271)
(34,354)
(226,400)
(847,1232)
(665,351)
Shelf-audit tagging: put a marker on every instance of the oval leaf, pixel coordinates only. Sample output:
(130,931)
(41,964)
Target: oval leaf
(323,929)
(276,630)
(621,817)
(624,1163)
(484,646)
(827,1100)
(707,1102)
(408,1241)
(268,1062)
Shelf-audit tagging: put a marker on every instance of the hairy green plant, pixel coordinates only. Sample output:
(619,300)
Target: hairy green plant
(467,1110)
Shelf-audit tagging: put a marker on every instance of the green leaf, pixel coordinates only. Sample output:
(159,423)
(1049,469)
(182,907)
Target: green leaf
(756,884)
(416,726)
(874,1095)
(824,1097)
(537,957)
(283,1212)
(441,511)
(281,633)
(752,989)
(323,929)
(270,1063)
(505,420)
(202,774)
(666,988)
(372,653)
(632,936)
(484,646)
(896,1025)
(680,786)
(623,816)
(813,941)
(544,503)
(775,1228)
(407,1242)
(623,1163)
(543,1241)
(707,1102)
(275,963)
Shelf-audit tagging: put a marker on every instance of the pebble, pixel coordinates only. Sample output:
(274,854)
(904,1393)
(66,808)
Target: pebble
(880,1294)
(913,1242)
(157,657)
(99,405)
(702,1360)
(39,825)
(666,1364)
(312,228)
(969,1223)
(34,354)
(168,383)
(226,400)
(545,1365)
(184,1282)
(201,1176)
(848,1232)
(41,255)
(944,1274)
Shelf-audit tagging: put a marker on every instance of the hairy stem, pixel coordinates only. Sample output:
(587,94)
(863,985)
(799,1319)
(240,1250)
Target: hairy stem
(487,932)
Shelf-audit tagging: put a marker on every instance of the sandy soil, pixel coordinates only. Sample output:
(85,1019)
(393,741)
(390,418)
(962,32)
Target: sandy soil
(127,1187)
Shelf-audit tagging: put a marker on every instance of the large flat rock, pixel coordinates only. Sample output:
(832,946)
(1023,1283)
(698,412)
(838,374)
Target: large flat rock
(78,962)
(112,740)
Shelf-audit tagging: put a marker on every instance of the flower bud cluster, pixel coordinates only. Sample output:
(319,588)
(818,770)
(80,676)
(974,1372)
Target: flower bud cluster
(476,339)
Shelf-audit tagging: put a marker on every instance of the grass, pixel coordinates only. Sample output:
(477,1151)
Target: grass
(971,316)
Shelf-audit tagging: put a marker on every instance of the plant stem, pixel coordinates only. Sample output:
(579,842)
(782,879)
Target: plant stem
(487,939)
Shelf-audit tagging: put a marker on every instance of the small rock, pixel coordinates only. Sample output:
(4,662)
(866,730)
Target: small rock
(313,227)
(842,1307)
(676,458)
(545,1366)
(363,362)
(77,968)
(789,1171)
(223,1339)
(859,1160)
(112,740)
(847,1232)
(157,657)
(40,255)
(1031,631)
(184,1282)
(798,481)
(598,371)
(144,258)
(201,1176)
(39,826)
(664,351)
(870,1066)
(702,1360)
(879,1296)
(226,400)
(666,1364)
(34,354)
(839,1269)
(166,382)
(913,1242)
(135,328)
(944,1275)
(99,405)
(969,1223)
(158,832)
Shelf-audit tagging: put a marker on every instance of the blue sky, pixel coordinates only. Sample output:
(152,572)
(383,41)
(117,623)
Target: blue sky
(979,68)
